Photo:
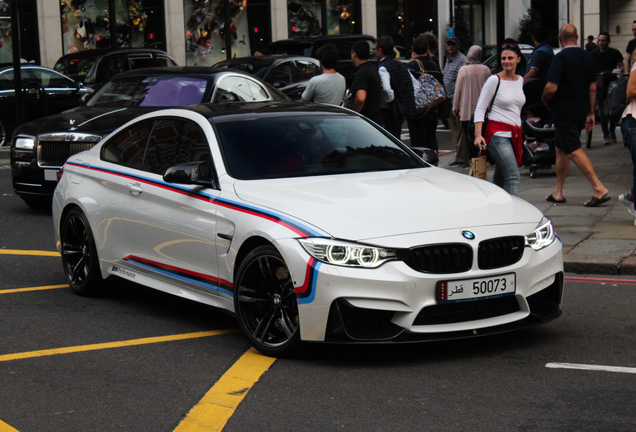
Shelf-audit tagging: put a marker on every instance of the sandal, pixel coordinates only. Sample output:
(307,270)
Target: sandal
(595,202)
(554,200)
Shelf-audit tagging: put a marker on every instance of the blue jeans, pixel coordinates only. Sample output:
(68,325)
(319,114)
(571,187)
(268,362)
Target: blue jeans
(628,129)
(506,170)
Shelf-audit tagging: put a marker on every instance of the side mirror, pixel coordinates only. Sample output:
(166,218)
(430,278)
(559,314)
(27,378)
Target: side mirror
(193,173)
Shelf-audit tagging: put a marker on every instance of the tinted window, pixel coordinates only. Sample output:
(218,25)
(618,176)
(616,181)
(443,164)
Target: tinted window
(75,67)
(140,61)
(305,70)
(111,66)
(174,142)
(308,145)
(7,82)
(161,90)
(51,79)
(164,61)
(281,72)
(127,148)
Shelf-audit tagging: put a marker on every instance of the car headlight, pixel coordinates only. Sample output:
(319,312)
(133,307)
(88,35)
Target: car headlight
(24,143)
(346,254)
(542,236)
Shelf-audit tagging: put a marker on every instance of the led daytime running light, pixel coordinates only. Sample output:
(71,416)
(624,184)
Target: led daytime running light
(346,254)
(541,237)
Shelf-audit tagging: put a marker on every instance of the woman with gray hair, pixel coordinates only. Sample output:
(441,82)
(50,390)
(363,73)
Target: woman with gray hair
(470,80)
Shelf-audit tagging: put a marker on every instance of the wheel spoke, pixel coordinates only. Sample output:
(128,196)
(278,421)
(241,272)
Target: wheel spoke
(75,276)
(287,324)
(268,272)
(262,330)
(79,232)
(250,295)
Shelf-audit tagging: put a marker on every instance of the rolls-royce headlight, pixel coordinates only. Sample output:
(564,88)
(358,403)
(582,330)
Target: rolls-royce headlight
(24,143)
(542,236)
(347,254)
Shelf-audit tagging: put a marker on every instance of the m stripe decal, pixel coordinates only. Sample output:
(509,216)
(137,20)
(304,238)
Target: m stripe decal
(301,230)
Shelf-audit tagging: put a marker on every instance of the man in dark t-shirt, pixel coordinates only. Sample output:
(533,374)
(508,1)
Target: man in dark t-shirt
(423,128)
(570,93)
(606,59)
(366,88)
(630,49)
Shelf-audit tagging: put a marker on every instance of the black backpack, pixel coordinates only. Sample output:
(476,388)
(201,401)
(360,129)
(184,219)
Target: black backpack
(616,101)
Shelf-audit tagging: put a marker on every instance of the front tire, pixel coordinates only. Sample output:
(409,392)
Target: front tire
(265,302)
(79,254)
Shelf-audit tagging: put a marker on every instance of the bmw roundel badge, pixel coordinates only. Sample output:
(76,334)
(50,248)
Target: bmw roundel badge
(468,235)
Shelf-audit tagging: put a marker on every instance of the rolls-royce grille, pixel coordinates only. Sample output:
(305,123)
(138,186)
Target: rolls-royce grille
(467,311)
(500,252)
(442,258)
(55,153)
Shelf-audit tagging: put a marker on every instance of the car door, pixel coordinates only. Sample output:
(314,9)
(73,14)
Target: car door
(171,228)
(62,93)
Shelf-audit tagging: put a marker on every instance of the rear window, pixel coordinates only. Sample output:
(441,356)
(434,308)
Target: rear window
(308,145)
(162,90)
(299,49)
(76,68)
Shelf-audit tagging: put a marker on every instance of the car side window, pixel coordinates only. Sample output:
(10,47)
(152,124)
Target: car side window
(110,67)
(50,79)
(164,62)
(7,82)
(127,147)
(233,89)
(258,92)
(280,72)
(173,142)
(139,61)
(305,70)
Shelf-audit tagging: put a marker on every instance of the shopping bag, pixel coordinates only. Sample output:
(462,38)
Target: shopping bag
(478,167)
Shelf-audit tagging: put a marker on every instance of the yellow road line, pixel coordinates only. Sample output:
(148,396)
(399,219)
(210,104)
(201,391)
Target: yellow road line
(218,405)
(28,252)
(6,428)
(132,342)
(47,287)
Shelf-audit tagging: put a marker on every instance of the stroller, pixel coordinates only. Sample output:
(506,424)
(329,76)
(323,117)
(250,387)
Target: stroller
(538,131)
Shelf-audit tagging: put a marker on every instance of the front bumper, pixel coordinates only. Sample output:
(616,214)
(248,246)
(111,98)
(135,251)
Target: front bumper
(394,303)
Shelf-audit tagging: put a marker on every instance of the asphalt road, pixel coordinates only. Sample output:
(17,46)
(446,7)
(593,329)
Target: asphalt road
(498,383)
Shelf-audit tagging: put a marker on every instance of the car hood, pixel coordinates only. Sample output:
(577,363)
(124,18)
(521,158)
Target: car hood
(95,120)
(380,204)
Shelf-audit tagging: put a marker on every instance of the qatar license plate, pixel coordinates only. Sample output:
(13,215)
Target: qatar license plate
(476,289)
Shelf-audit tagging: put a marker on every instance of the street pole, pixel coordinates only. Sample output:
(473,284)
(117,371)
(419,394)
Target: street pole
(17,76)
(228,31)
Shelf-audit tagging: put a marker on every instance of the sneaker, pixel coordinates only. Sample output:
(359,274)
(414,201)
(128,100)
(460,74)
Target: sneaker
(607,140)
(627,199)
(455,164)
(466,166)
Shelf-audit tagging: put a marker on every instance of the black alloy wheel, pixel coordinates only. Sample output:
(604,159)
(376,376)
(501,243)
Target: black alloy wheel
(79,254)
(265,302)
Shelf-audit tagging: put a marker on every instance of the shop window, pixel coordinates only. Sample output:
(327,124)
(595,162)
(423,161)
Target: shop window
(206,31)
(86,24)
(308,18)
(29,38)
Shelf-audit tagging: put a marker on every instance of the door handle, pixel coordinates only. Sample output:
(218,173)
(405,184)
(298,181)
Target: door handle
(135,188)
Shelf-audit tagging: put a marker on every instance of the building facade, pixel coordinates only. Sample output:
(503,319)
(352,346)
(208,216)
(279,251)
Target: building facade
(195,31)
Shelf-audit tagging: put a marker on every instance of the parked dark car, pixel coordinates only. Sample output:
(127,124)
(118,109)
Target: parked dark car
(309,46)
(95,67)
(287,73)
(45,92)
(40,148)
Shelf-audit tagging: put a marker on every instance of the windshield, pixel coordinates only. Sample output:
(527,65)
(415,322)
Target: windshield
(306,145)
(167,90)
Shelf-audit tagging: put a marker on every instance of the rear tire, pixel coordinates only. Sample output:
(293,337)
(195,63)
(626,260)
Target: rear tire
(265,302)
(79,254)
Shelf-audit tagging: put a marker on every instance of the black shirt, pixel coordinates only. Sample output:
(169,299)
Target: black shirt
(367,78)
(572,70)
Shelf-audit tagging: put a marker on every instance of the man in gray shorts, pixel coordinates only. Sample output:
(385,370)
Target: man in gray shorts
(328,88)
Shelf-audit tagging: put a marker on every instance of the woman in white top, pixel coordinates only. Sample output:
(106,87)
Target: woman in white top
(628,128)
(502,134)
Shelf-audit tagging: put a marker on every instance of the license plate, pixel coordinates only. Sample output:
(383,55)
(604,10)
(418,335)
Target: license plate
(50,175)
(476,289)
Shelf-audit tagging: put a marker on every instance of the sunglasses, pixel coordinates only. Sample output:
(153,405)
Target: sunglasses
(510,45)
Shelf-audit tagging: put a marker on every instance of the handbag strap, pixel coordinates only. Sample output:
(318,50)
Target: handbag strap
(492,101)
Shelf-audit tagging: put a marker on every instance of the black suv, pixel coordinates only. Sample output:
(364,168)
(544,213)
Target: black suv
(94,67)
